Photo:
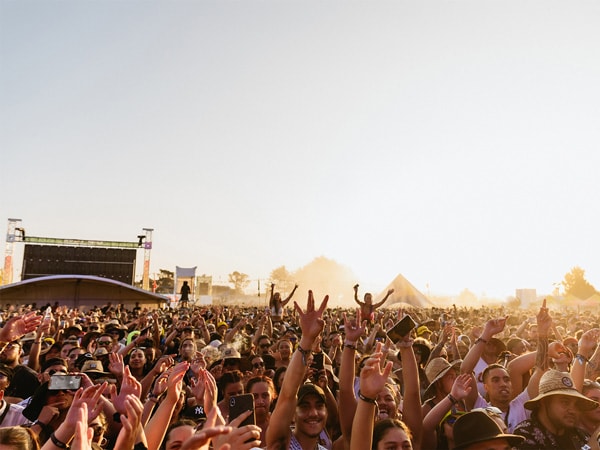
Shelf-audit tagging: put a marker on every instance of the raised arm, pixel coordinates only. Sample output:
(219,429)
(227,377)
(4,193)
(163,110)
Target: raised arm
(585,350)
(311,323)
(412,391)
(491,327)
(372,381)
(389,292)
(289,297)
(356,295)
(460,390)
(354,328)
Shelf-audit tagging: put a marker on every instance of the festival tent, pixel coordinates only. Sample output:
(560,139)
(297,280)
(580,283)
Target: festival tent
(77,291)
(404,293)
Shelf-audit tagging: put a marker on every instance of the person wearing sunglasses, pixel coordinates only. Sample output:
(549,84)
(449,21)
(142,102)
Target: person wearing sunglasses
(258,366)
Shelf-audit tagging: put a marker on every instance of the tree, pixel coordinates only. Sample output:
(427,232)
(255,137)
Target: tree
(239,281)
(280,275)
(165,282)
(576,285)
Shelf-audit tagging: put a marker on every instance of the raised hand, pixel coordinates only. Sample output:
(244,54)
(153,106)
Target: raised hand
(83,433)
(239,436)
(131,421)
(19,326)
(116,365)
(462,386)
(311,321)
(588,342)
(129,386)
(372,377)
(544,321)
(493,326)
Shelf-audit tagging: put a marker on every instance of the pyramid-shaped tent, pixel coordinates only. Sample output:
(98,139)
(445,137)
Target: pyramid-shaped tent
(404,292)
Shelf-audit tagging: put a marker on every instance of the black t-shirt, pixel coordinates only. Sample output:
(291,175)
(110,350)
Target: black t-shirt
(23,384)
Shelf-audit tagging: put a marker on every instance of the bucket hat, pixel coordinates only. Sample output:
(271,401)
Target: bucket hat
(435,370)
(477,426)
(554,382)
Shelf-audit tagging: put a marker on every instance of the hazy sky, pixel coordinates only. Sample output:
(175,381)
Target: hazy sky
(455,142)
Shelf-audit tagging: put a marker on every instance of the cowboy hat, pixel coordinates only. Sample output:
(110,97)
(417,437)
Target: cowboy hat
(555,382)
(436,369)
(478,426)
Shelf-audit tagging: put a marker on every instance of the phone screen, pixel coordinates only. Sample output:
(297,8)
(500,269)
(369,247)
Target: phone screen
(239,404)
(64,382)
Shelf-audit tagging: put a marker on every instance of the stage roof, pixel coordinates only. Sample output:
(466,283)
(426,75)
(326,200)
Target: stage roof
(77,291)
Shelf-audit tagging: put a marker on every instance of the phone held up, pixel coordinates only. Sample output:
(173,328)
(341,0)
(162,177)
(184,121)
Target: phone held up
(64,382)
(239,404)
(401,329)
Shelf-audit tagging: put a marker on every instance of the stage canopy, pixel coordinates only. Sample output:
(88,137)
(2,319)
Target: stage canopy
(77,291)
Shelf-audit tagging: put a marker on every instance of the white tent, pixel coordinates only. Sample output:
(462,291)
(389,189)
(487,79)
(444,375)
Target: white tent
(404,292)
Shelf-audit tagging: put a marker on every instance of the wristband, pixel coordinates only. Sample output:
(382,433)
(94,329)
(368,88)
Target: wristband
(366,399)
(452,399)
(304,353)
(481,340)
(579,357)
(348,344)
(56,442)
(42,425)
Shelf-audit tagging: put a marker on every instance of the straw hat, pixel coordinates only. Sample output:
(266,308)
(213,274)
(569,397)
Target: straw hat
(436,369)
(555,382)
(478,426)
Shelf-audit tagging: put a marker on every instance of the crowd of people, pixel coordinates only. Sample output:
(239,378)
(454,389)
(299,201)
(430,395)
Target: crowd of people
(320,378)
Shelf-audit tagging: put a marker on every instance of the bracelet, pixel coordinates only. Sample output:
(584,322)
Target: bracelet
(304,353)
(452,399)
(366,399)
(349,345)
(579,357)
(37,342)
(56,442)
(42,425)
(481,340)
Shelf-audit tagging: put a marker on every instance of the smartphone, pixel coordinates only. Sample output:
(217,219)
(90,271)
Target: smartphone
(401,329)
(64,382)
(317,362)
(239,404)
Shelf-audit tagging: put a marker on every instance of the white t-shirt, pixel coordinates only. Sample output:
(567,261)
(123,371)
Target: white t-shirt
(516,410)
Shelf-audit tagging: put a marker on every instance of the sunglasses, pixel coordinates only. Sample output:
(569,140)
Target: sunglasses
(104,343)
(265,345)
(54,371)
(258,364)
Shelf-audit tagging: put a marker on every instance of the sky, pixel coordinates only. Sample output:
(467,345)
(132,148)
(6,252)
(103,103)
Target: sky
(452,142)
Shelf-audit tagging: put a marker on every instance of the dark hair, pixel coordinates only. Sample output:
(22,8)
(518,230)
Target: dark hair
(54,362)
(486,371)
(179,423)
(381,428)
(235,376)
(276,378)
(261,379)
